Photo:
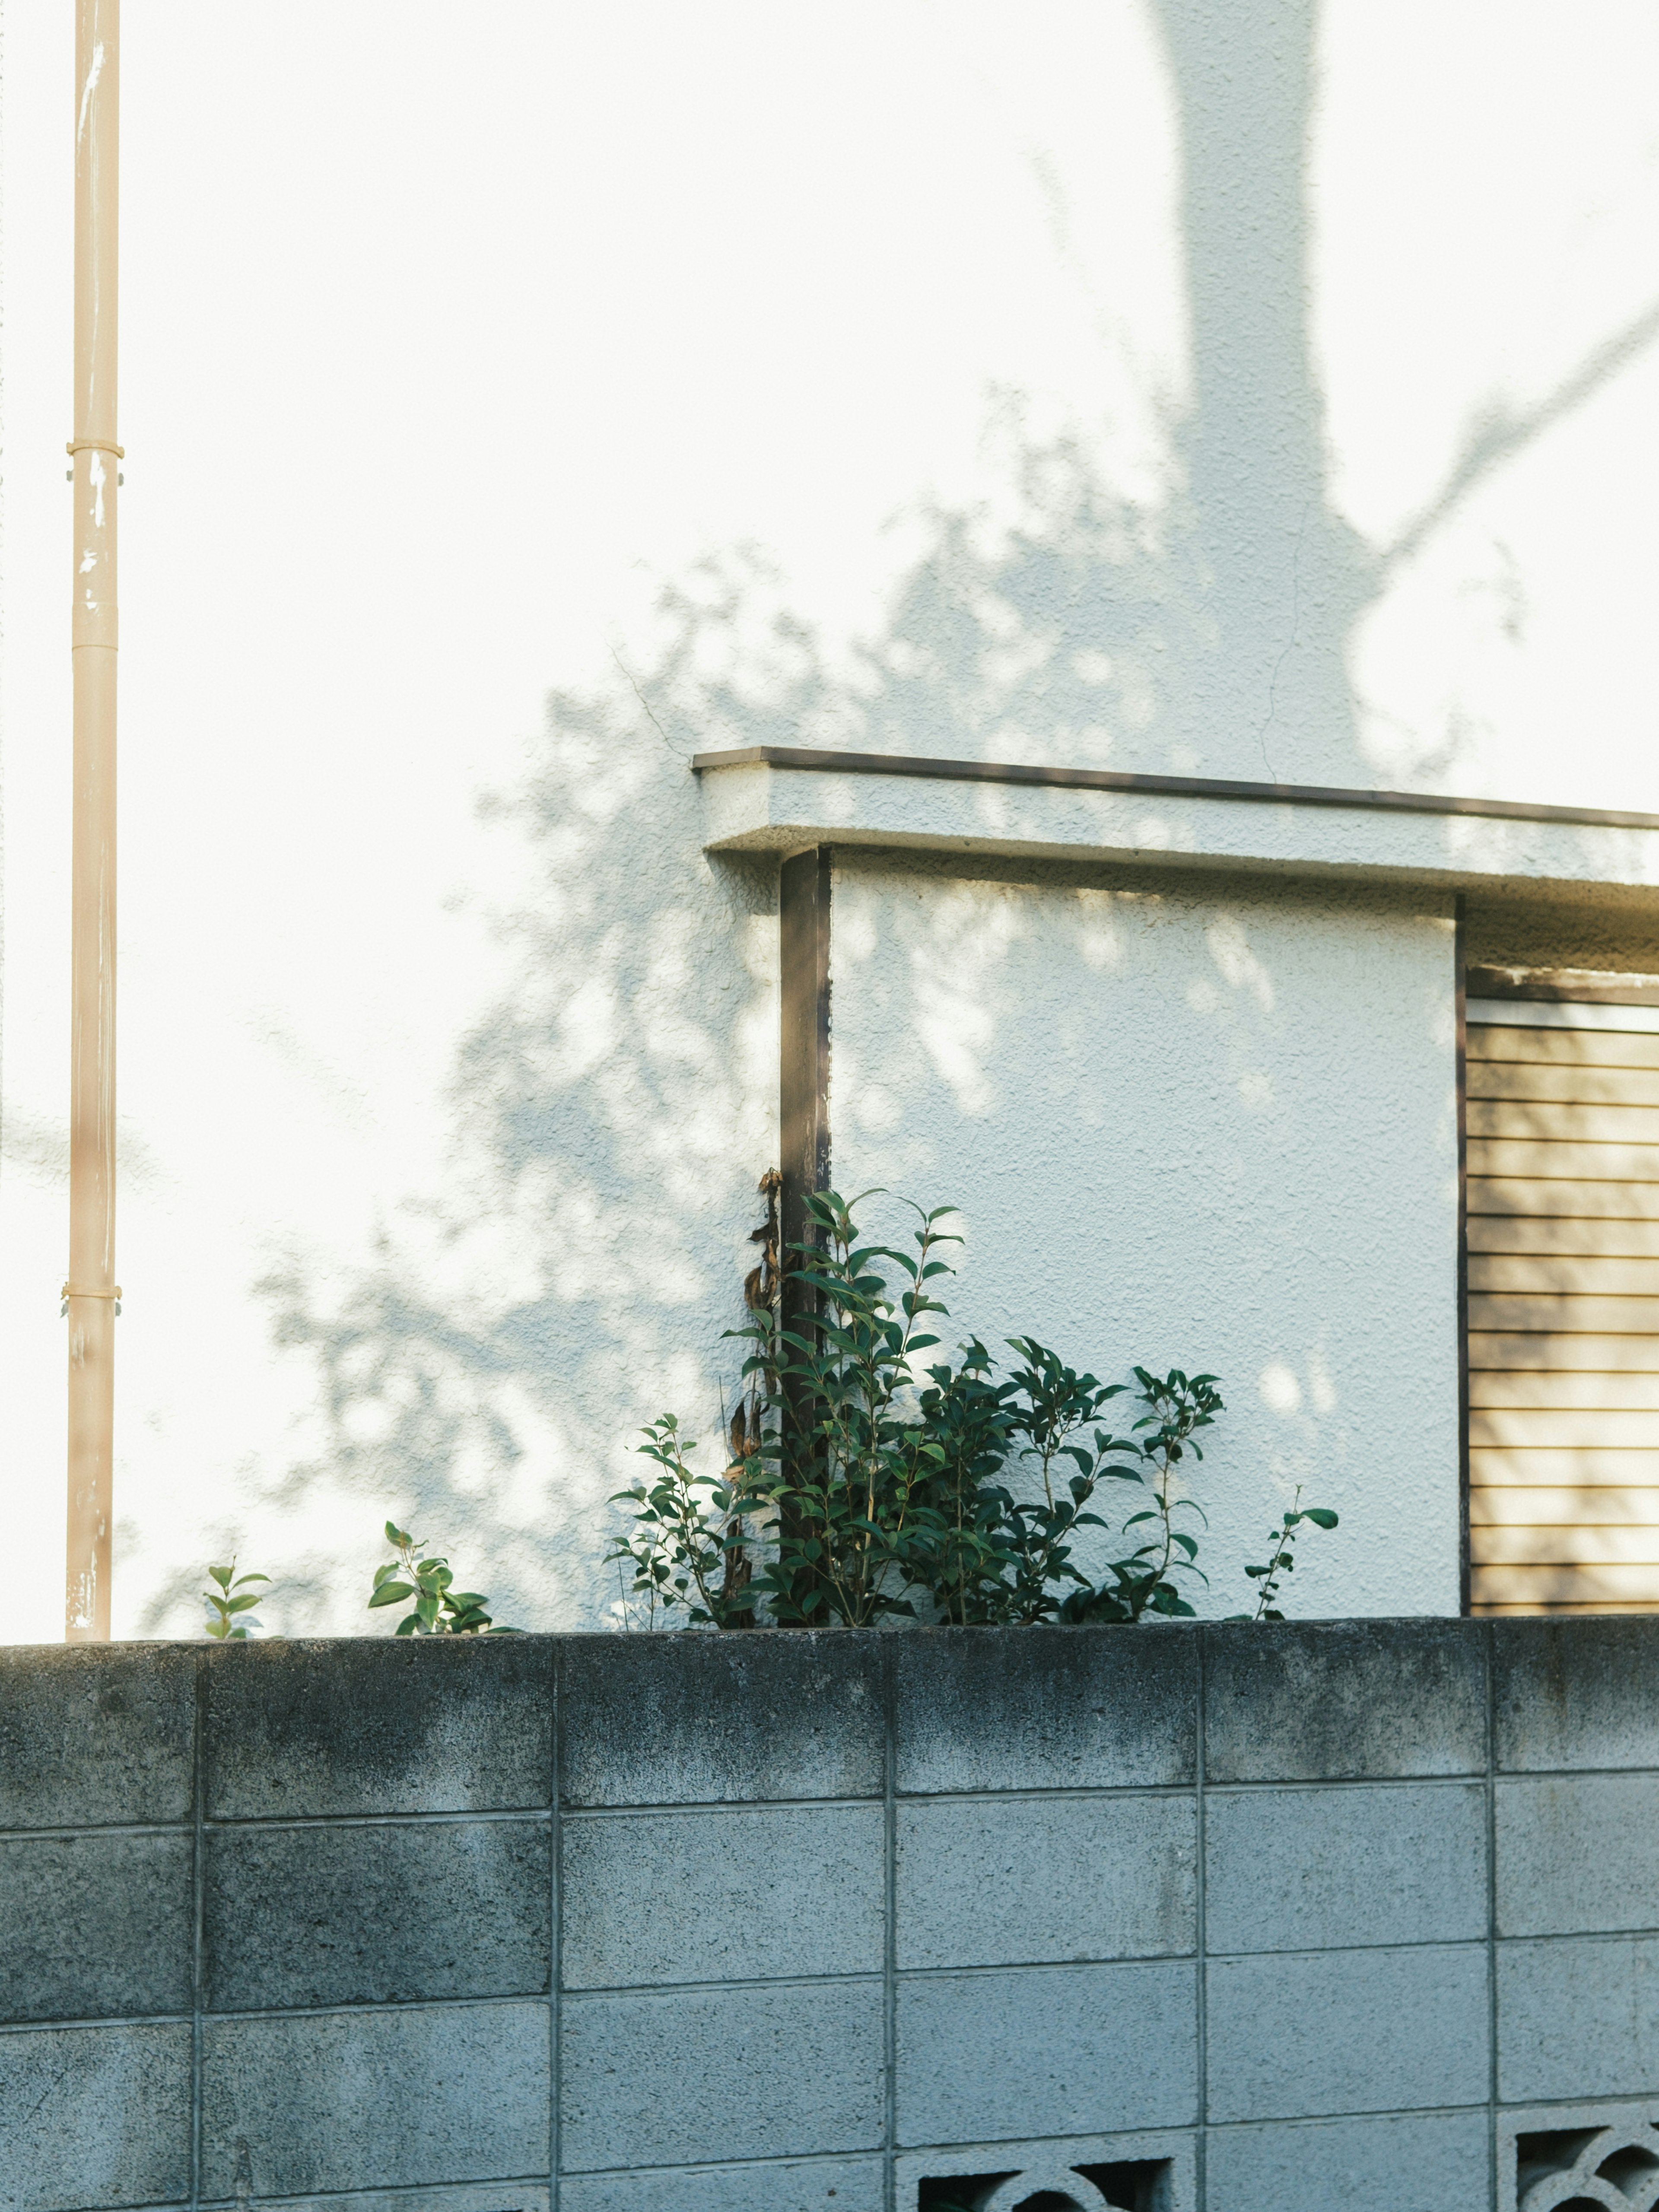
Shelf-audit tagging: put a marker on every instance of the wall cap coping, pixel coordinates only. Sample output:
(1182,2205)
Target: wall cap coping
(781,797)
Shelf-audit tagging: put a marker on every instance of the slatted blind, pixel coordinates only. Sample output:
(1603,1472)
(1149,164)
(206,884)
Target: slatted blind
(1563,1307)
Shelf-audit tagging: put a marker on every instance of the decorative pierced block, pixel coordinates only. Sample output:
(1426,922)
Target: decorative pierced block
(1051,2185)
(1616,2166)
(1154,2170)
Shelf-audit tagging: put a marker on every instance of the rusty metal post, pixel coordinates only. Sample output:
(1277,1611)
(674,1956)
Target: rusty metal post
(90,1293)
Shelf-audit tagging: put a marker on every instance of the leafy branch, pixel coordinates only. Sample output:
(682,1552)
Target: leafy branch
(688,1542)
(439,1609)
(1281,1563)
(224,1604)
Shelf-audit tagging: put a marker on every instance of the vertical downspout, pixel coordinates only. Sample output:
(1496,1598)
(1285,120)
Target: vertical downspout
(90,1293)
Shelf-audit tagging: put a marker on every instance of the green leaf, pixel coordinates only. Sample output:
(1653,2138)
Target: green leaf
(391,1594)
(241,1604)
(1321,1515)
(221,1575)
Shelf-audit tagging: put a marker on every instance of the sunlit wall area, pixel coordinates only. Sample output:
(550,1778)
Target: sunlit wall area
(1186,1126)
(518,402)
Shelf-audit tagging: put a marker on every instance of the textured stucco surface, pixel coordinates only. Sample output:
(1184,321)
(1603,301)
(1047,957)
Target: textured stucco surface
(1210,1130)
(1084,414)
(908,1909)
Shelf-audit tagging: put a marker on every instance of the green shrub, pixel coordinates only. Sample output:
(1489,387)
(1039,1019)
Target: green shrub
(861,1484)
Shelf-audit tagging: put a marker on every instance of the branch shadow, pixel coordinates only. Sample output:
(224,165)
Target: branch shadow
(483,1371)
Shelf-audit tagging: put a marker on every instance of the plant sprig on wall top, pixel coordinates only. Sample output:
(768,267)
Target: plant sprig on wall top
(1281,1556)
(230,1604)
(439,1609)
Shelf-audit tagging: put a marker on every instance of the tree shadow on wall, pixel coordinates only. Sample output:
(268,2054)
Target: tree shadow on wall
(483,1371)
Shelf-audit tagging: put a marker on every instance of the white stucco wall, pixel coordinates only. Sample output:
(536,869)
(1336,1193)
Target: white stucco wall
(1161,384)
(1207,1129)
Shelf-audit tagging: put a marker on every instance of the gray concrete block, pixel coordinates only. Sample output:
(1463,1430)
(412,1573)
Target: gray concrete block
(1340,1700)
(1575,1692)
(376,2100)
(95,1736)
(1046,2051)
(1297,2036)
(1578,1854)
(1008,1882)
(1311,1869)
(685,1720)
(827,2184)
(380,1724)
(693,2075)
(520,2194)
(95,2116)
(362,1914)
(1432,2162)
(1045,1708)
(1579,2018)
(767,1892)
(94,1926)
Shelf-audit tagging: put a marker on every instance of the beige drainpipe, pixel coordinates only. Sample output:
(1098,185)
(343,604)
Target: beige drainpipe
(90,1293)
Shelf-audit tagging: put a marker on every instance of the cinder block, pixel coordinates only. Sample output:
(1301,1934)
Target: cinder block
(376,2100)
(1434,2162)
(693,1720)
(1004,1881)
(1310,1870)
(829,2185)
(1581,1691)
(1045,1708)
(682,1719)
(1578,1854)
(380,1724)
(363,1914)
(1299,2036)
(95,1736)
(767,1892)
(693,2075)
(1342,1700)
(93,1926)
(1579,2018)
(95,2116)
(1046,2051)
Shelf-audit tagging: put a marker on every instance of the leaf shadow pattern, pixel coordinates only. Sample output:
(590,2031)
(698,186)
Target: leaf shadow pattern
(483,1371)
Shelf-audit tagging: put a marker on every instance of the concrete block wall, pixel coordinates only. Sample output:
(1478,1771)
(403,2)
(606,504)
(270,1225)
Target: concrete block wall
(1179,1917)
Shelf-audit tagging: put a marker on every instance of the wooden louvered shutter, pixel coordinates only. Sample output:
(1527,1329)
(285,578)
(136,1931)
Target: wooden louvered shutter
(1564,1305)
